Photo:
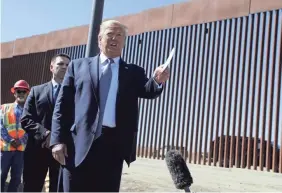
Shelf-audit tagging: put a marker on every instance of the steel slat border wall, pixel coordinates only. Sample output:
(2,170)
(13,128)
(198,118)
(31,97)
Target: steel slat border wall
(34,68)
(223,103)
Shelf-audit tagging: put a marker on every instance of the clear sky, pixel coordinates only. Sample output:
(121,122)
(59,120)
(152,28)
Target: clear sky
(23,18)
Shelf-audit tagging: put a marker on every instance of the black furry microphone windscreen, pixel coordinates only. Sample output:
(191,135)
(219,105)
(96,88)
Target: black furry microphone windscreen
(178,169)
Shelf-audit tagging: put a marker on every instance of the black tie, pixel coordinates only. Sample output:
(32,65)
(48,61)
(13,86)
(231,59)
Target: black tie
(57,92)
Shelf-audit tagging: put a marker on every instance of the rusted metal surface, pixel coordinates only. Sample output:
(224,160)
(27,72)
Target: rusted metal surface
(222,104)
(31,67)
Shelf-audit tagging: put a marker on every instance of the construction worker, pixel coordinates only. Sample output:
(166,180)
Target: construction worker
(13,137)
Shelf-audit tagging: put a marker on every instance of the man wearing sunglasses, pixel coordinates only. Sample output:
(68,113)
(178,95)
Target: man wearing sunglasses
(36,121)
(13,137)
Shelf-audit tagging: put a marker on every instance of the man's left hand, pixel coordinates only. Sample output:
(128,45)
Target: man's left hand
(161,75)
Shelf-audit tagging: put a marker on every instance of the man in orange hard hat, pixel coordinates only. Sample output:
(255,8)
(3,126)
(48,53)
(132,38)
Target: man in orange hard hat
(13,137)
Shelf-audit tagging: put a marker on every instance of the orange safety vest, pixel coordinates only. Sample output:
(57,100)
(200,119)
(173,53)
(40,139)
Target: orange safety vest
(9,121)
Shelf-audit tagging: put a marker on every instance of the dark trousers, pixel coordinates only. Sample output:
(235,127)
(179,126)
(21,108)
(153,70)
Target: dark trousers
(100,171)
(37,162)
(13,160)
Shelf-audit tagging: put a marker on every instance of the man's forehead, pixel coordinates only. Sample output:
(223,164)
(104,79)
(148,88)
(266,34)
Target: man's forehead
(114,27)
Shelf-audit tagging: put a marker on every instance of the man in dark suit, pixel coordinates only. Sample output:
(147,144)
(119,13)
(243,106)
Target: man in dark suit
(36,121)
(95,119)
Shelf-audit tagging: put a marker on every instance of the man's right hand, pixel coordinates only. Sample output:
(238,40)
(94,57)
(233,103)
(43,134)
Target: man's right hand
(46,142)
(59,153)
(14,143)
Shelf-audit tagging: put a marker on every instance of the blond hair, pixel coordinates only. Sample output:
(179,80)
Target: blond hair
(104,25)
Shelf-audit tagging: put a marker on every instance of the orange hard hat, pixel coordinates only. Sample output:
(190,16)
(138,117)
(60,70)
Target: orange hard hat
(20,84)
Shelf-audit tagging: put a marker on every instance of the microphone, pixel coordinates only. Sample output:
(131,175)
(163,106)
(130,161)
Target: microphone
(179,171)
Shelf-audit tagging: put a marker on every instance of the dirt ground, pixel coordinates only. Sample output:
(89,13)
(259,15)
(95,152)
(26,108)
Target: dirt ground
(147,175)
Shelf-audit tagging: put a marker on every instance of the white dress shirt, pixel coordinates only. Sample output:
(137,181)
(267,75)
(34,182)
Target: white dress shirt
(109,118)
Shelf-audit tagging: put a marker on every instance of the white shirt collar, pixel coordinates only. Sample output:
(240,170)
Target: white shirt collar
(103,58)
(17,105)
(54,83)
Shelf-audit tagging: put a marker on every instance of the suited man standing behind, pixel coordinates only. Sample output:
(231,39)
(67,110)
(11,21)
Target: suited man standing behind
(36,121)
(95,120)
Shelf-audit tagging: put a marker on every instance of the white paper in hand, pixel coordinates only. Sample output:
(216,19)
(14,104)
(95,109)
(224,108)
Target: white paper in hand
(168,60)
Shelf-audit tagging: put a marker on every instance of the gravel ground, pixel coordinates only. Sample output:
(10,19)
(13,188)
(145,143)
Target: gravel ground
(147,175)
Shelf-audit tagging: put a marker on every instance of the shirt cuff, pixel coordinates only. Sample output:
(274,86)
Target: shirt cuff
(159,85)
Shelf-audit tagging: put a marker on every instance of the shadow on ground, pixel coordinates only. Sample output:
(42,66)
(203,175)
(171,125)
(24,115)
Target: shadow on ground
(20,189)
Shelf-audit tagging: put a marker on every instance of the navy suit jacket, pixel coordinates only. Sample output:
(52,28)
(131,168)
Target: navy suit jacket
(37,114)
(76,111)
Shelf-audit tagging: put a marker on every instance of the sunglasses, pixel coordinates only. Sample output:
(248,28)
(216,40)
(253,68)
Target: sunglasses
(21,91)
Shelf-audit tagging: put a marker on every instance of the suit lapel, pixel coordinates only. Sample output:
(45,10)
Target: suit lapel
(49,94)
(123,76)
(94,75)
